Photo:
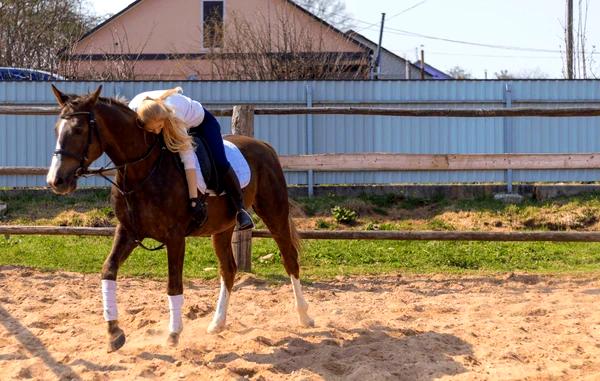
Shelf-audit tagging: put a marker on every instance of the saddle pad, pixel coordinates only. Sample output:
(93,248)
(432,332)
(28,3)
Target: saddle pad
(238,163)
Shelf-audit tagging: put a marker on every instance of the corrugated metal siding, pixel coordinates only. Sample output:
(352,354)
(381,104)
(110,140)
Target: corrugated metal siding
(560,135)
(29,141)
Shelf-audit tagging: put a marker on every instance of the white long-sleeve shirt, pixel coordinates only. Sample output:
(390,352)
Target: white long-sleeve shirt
(188,110)
(185,108)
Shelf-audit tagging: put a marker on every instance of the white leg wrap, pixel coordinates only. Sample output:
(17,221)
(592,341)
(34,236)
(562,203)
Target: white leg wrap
(175,321)
(109,299)
(301,305)
(218,322)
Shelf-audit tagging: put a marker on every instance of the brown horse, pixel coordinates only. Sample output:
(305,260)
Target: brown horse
(150,200)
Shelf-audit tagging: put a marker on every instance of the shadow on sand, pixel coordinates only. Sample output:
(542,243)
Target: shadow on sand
(37,348)
(377,353)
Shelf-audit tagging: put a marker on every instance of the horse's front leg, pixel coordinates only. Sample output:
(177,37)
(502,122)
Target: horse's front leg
(175,253)
(123,245)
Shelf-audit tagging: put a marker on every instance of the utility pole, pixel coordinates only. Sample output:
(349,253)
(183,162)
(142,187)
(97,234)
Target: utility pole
(570,39)
(422,62)
(376,67)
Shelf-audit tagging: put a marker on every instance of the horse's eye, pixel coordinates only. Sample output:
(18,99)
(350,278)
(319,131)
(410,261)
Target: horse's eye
(77,130)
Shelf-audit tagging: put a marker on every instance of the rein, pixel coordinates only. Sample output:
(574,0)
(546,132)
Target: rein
(83,171)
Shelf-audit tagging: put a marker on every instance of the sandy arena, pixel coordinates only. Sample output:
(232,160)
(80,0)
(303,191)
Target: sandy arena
(509,327)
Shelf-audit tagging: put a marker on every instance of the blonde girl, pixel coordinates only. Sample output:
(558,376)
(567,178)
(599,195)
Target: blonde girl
(175,115)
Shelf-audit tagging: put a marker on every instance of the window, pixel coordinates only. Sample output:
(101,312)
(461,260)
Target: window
(212,24)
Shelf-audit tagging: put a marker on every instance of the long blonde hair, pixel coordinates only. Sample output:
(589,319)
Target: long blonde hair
(174,129)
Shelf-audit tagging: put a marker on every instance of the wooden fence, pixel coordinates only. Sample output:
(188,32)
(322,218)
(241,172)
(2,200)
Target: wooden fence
(420,235)
(243,123)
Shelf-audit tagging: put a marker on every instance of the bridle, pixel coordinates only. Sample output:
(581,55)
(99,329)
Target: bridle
(83,171)
(92,128)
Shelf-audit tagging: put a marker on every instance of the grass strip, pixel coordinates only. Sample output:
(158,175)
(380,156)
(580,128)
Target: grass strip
(323,259)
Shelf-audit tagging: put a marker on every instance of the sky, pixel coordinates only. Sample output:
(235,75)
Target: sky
(527,34)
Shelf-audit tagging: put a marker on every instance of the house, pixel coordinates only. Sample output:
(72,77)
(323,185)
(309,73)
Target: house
(432,72)
(391,65)
(221,40)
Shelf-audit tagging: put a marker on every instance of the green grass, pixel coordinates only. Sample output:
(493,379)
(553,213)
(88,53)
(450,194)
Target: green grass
(27,207)
(321,259)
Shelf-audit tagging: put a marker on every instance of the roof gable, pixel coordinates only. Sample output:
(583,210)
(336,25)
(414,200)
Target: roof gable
(113,20)
(373,46)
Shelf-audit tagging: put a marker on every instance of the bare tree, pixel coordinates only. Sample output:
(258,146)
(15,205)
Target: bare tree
(523,74)
(279,47)
(583,53)
(458,72)
(117,64)
(332,11)
(32,32)
(504,74)
(536,73)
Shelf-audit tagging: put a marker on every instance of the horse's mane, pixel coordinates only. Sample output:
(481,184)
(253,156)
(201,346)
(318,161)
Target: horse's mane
(120,102)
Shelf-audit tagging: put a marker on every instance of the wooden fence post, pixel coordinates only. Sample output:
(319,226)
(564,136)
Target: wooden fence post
(242,123)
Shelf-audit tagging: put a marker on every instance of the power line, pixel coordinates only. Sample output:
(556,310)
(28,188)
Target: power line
(406,33)
(369,25)
(553,57)
(401,32)
(407,9)
(493,46)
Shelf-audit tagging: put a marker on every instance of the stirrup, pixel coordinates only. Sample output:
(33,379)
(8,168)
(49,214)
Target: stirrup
(243,220)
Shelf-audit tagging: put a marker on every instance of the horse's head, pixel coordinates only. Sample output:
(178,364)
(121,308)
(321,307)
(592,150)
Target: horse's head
(77,140)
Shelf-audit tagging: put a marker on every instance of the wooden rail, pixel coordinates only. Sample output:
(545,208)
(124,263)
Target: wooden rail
(346,234)
(404,162)
(35,110)
(432,112)
(28,110)
(385,111)
(413,162)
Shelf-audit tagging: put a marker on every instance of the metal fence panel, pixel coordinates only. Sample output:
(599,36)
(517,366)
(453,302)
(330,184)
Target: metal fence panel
(29,140)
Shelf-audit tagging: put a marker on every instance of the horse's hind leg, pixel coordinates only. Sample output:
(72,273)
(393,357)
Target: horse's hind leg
(227,269)
(285,235)
(123,245)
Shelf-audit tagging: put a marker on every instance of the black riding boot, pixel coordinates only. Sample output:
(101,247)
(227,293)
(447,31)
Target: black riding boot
(232,187)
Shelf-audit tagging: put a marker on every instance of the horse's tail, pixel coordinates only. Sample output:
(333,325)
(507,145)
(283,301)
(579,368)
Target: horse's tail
(294,236)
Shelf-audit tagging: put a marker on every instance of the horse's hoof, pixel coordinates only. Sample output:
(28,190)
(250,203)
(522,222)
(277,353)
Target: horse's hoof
(306,321)
(173,339)
(116,340)
(215,327)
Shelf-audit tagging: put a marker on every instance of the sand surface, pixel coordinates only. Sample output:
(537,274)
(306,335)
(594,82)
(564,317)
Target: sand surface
(508,327)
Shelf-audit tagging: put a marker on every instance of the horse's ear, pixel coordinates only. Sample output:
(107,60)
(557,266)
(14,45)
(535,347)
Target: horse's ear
(139,123)
(96,95)
(60,97)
